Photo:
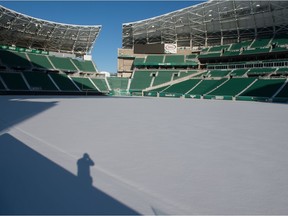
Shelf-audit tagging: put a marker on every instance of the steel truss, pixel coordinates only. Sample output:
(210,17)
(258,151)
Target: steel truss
(210,23)
(28,32)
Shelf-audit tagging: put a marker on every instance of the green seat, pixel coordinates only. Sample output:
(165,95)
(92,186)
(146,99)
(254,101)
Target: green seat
(184,74)
(141,79)
(63,82)
(280,40)
(240,45)
(163,76)
(232,87)
(154,59)
(282,71)
(260,43)
(174,59)
(218,73)
(182,87)
(118,83)
(261,71)
(218,48)
(40,61)
(231,53)
(14,81)
(284,92)
(279,49)
(62,63)
(39,81)
(2,87)
(264,88)
(84,66)
(238,72)
(255,51)
(205,86)
(191,56)
(84,83)
(101,84)
(14,59)
(139,61)
(209,55)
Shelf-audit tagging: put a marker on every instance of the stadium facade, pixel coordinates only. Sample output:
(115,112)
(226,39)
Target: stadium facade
(43,57)
(234,50)
(208,24)
(211,42)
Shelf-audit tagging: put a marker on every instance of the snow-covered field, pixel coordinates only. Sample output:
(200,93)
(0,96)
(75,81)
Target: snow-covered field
(151,156)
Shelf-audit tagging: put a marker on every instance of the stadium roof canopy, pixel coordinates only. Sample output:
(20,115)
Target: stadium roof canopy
(210,23)
(29,32)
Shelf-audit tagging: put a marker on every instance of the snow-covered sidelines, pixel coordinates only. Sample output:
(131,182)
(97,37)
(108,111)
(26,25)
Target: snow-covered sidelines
(151,155)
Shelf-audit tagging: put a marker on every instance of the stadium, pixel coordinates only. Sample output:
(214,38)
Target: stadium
(194,122)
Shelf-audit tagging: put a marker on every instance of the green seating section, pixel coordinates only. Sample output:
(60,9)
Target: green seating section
(62,63)
(14,59)
(85,66)
(232,87)
(141,80)
(138,61)
(154,59)
(27,61)
(84,83)
(192,56)
(39,81)
(264,88)
(240,45)
(255,51)
(2,87)
(182,87)
(248,88)
(231,53)
(40,61)
(209,55)
(184,74)
(260,43)
(101,84)
(160,89)
(281,40)
(218,73)
(14,81)
(260,71)
(63,82)
(205,86)
(162,77)
(218,48)
(282,71)
(206,49)
(279,49)
(118,83)
(174,59)
(238,72)
(284,92)
(166,60)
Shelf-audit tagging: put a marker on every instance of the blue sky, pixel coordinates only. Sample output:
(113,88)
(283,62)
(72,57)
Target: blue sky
(110,14)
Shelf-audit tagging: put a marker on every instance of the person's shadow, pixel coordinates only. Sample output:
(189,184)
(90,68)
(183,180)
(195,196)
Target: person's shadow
(83,173)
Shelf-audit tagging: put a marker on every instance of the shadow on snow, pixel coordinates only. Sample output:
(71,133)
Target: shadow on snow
(32,184)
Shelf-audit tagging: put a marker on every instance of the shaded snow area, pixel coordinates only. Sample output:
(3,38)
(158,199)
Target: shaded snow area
(107,155)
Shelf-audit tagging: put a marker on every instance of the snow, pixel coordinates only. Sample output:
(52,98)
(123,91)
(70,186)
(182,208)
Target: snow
(151,155)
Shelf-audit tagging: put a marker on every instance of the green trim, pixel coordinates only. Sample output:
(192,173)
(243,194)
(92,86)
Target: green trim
(21,49)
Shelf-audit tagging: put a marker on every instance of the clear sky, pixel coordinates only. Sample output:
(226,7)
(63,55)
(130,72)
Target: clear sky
(110,14)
